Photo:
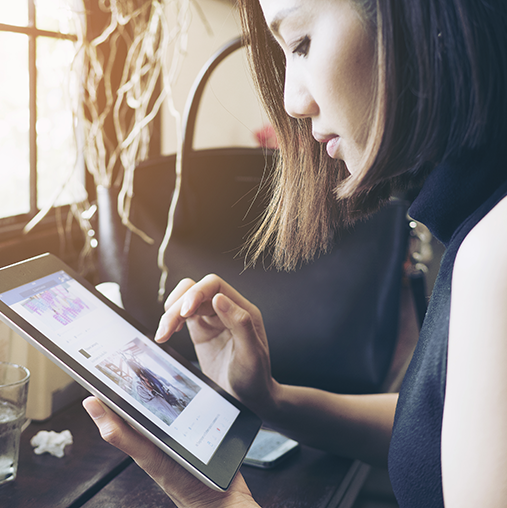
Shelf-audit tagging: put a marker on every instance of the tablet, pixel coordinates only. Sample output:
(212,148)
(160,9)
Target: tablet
(157,391)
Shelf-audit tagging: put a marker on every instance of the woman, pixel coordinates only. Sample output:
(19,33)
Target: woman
(379,94)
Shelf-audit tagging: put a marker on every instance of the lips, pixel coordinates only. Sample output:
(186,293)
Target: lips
(332,143)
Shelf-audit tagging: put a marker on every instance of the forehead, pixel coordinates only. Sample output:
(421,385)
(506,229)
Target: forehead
(276,11)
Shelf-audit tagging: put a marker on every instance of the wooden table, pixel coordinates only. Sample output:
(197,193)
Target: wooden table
(93,474)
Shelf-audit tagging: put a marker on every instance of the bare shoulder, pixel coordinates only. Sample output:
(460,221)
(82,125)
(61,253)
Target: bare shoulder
(482,257)
(478,318)
(475,412)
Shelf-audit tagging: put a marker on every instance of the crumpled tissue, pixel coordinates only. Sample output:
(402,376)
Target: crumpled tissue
(51,442)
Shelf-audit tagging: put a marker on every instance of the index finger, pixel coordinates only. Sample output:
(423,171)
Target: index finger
(181,288)
(205,290)
(190,298)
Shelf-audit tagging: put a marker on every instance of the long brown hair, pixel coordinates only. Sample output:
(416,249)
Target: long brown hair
(440,89)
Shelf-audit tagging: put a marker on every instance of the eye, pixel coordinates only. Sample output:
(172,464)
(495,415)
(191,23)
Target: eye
(302,46)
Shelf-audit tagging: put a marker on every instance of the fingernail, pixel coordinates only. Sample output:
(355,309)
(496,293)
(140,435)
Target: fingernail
(94,408)
(223,304)
(160,333)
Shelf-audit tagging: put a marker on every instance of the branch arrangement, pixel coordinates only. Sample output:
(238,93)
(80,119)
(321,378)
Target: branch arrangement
(133,101)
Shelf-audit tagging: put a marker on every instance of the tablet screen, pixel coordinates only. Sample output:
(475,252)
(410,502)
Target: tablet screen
(128,362)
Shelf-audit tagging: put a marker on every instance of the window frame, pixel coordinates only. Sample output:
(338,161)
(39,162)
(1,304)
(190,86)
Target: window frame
(13,225)
(48,235)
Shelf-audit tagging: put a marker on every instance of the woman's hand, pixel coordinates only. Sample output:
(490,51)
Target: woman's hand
(231,345)
(185,490)
(229,338)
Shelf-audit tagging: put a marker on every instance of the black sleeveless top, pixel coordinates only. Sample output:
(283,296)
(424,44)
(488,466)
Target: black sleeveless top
(454,198)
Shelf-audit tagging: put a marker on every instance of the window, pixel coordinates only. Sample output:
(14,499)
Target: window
(38,150)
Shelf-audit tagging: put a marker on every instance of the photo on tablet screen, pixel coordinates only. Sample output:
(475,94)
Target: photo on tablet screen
(150,379)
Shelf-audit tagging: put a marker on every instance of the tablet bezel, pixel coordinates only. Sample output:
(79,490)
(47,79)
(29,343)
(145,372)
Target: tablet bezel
(226,460)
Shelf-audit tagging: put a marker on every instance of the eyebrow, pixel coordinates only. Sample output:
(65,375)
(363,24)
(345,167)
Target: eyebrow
(278,18)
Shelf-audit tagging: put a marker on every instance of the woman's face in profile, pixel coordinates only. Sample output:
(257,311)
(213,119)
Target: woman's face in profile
(330,70)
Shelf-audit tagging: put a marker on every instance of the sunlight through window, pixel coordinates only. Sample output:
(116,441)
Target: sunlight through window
(14,125)
(37,139)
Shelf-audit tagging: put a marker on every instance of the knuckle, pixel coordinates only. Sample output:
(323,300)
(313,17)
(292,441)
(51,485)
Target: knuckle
(185,284)
(211,277)
(255,311)
(112,434)
(182,286)
(244,319)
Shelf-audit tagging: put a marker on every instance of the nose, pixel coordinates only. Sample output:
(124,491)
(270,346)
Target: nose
(298,101)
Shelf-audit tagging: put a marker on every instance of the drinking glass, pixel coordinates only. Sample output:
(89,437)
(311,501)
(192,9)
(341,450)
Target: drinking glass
(13,393)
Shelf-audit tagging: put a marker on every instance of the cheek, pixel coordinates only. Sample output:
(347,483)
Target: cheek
(346,60)
(350,86)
